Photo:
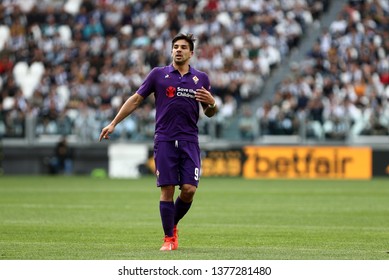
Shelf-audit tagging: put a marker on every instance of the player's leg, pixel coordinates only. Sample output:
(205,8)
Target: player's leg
(189,178)
(166,163)
(166,209)
(182,206)
(189,169)
(184,201)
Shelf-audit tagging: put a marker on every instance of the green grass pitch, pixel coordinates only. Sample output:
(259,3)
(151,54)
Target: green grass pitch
(84,218)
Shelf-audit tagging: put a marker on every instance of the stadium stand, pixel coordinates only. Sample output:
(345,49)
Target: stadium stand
(339,91)
(67,66)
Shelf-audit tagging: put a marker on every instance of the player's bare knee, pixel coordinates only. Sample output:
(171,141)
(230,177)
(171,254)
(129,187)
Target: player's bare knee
(187,193)
(167,193)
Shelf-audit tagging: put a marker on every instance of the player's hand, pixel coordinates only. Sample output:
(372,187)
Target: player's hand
(204,96)
(106,131)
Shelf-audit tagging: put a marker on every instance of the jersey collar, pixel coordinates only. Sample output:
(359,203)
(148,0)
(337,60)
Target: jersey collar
(172,69)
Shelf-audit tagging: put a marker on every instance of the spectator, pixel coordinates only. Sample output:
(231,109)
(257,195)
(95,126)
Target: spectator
(344,77)
(117,42)
(247,124)
(62,161)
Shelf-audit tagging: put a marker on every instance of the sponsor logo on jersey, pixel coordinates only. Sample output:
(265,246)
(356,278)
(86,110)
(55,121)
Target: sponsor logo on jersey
(170,91)
(183,92)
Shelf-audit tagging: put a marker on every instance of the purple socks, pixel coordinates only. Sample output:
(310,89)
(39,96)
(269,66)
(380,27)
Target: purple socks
(172,213)
(166,208)
(181,208)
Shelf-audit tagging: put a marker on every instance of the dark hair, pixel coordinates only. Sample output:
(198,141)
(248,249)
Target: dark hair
(187,37)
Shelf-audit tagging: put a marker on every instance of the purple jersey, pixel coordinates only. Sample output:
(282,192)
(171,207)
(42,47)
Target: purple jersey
(177,110)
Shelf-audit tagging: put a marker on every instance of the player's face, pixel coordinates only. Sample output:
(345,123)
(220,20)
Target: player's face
(181,52)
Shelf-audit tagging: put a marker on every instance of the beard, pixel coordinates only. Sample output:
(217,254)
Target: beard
(180,61)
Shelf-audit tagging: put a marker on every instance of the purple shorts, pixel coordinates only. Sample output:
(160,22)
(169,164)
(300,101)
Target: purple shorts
(177,163)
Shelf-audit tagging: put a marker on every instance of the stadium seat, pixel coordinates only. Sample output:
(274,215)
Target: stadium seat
(27,77)
(65,34)
(63,94)
(72,6)
(26,5)
(8,103)
(4,35)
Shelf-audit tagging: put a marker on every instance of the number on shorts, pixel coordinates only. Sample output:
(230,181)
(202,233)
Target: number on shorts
(196,177)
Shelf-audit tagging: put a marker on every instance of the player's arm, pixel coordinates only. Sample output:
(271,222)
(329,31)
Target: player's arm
(207,101)
(128,107)
(210,109)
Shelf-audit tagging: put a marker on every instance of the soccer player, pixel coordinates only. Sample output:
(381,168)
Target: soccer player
(179,91)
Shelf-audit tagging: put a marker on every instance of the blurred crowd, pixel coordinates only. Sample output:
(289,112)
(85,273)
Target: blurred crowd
(67,66)
(341,90)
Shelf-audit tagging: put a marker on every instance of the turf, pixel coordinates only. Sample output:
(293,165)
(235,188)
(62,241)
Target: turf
(82,218)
